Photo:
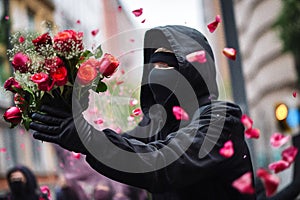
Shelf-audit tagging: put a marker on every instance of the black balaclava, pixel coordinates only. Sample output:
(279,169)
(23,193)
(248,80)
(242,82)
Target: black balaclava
(189,84)
(20,190)
(163,81)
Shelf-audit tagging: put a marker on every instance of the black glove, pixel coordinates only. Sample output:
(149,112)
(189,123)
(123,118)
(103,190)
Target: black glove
(55,123)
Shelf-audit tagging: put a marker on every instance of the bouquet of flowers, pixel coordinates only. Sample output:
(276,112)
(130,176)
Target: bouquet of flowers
(43,64)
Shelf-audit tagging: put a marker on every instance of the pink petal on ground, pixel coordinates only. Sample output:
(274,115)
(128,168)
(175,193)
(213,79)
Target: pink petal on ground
(95,32)
(76,155)
(213,25)
(227,150)
(247,121)
(137,112)
(133,102)
(252,133)
(279,166)
(138,12)
(98,121)
(270,181)
(278,139)
(198,56)
(244,184)
(229,53)
(180,113)
(289,154)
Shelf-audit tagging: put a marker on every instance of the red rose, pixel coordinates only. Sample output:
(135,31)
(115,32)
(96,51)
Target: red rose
(52,63)
(108,65)
(59,76)
(42,41)
(42,80)
(20,62)
(87,72)
(20,102)
(13,115)
(11,84)
(68,40)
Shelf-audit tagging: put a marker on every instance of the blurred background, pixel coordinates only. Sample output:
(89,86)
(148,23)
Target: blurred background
(265,74)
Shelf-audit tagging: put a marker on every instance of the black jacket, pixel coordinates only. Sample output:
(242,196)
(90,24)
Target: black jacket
(181,160)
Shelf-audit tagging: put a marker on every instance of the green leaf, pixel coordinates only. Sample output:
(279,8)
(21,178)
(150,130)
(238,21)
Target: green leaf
(87,53)
(26,122)
(98,52)
(101,87)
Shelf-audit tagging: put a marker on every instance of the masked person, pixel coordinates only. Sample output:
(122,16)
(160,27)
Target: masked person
(23,185)
(169,157)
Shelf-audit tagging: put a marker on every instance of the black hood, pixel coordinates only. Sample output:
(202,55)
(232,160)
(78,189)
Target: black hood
(182,41)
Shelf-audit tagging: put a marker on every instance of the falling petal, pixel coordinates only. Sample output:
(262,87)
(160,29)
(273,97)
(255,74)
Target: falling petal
(227,150)
(78,21)
(118,130)
(279,166)
(230,53)
(278,139)
(98,121)
(3,150)
(143,21)
(244,184)
(289,154)
(131,40)
(252,133)
(180,113)
(76,155)
(137,112)
(213,25)
(294,94)
(22,146)
(270,181)
(119,8)
(6,17)
(95,32)
(198,56)
(247,121)
(138,12)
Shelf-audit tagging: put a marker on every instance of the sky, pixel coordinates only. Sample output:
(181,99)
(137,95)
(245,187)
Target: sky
(163,12)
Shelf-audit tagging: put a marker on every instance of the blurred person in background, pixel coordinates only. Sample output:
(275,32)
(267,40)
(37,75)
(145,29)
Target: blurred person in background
(23,185)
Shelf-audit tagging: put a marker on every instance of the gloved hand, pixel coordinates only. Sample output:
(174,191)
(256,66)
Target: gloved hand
(55,123)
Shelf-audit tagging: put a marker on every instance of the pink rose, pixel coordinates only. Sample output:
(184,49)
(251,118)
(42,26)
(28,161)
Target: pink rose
(11,84)
(20,62)
(13,115)
(42,80)
(87,72)
(108,65)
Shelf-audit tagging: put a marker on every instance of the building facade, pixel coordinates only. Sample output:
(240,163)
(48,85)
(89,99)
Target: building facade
(17,145)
